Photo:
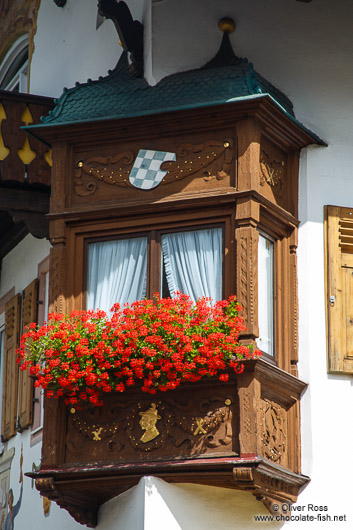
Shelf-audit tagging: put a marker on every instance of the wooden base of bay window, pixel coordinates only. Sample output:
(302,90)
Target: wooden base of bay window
(242,434)
(82,492)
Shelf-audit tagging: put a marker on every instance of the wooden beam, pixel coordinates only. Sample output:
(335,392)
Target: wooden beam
(25,200)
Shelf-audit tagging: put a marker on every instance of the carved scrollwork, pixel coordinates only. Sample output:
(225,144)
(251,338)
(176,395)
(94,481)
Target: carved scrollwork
(272,171)
(131,430)
(206,154)
(191,159)
(273,430)
(113,170)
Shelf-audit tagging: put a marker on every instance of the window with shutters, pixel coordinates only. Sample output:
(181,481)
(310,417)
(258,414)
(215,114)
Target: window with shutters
(17,386)
(339,288)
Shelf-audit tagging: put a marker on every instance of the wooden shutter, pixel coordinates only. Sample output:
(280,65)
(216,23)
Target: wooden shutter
(10,368)
(339,287)
(29,314)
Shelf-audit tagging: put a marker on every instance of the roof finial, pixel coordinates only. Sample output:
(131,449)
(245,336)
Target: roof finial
(226,25)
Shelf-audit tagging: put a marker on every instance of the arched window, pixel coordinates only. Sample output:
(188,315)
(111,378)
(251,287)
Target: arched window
(14,67)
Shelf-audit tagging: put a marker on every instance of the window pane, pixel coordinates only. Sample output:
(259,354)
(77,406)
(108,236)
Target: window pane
(193,263)
(265,295)
(117,272)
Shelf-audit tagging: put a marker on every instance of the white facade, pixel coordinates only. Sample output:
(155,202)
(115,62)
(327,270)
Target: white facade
(304,49)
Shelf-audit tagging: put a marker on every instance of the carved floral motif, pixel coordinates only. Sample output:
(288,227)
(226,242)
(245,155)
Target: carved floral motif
(273,430)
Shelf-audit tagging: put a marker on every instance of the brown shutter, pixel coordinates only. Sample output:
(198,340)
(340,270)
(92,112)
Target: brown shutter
(10,368)
(29,314)
(339,287)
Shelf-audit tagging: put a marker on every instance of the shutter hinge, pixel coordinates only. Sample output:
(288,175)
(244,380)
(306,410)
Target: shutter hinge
(332,300)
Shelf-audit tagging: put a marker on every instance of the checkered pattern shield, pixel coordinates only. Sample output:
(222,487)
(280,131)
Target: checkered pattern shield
(146,173)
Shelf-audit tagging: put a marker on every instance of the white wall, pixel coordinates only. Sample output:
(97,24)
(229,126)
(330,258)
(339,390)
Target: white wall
(69,48)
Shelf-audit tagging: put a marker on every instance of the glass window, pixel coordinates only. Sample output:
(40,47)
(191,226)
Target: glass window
(192,263)
(265,295)
(188,261)
(117,272)
(14,67)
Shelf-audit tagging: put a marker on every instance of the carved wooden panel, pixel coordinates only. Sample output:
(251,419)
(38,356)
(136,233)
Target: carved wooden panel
(203,163)
(276,179)
(57,277)
(273,431)
(246,251)
(126,429)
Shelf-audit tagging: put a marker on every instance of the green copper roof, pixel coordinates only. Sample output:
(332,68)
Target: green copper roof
(226,78)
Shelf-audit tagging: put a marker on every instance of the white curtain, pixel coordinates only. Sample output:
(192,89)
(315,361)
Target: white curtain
(117,272)
(193,263)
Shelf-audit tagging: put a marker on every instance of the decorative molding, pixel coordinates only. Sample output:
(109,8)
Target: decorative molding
(191,159)
(113,170)
(57,277)
(207,153)
(272,171)
(162,426)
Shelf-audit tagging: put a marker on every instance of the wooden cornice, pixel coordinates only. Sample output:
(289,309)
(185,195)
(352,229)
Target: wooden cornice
(288,134)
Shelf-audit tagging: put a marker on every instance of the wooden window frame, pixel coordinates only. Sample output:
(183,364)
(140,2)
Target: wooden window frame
(154,254)
(159,225)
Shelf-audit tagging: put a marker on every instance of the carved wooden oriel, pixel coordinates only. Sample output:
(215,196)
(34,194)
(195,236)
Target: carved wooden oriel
(236,167)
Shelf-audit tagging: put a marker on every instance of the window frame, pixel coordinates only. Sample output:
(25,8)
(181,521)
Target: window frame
(268,356)
(78,236)
(10,72)
(154,253)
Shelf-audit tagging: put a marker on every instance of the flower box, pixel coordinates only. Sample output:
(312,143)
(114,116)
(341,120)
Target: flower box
(243,433)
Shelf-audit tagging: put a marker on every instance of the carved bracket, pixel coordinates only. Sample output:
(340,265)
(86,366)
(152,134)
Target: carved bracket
(35,222)
(82,514)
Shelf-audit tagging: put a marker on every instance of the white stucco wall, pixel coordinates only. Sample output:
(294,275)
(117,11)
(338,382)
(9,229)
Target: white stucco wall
(69,48)
(19,268)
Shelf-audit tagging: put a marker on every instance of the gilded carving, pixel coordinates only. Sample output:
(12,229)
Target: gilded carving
(271,171)
(148,422)
(129,430)
(273,430)
(191,159)
(95,431)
